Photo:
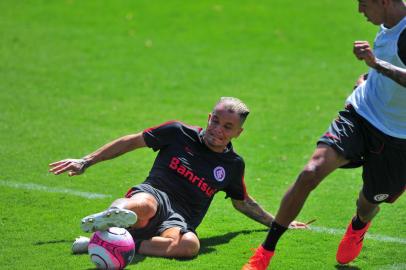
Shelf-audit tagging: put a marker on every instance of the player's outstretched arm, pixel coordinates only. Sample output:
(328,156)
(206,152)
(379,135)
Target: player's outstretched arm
(109,151)
(253,210)
(363,51)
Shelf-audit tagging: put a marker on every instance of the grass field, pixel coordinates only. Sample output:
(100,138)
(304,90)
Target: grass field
(77,74)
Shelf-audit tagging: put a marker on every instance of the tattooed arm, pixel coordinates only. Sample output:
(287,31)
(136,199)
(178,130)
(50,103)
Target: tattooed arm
(253,210)
(395,73)
(363,51)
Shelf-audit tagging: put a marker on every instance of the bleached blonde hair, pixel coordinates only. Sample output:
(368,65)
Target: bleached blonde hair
(234,105)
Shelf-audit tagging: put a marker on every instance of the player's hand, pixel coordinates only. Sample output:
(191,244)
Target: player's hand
(72,166)
(363,51)
(300,225)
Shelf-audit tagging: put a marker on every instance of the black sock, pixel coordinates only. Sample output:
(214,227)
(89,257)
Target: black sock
(357,223)
(273,236)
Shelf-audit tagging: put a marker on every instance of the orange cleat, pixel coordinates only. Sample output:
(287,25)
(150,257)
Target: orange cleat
(351,244)
(260,260)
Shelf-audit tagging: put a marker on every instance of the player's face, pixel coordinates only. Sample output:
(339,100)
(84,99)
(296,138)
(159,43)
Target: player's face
(221,128)
(372,10)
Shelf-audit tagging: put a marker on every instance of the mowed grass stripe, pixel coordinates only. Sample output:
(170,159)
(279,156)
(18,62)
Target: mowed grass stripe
(33,186)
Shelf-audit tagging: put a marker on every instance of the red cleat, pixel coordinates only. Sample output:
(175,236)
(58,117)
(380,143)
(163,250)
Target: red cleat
(351,244)
(260,260)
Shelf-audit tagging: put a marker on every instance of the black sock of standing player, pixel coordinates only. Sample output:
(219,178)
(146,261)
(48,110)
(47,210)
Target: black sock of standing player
(273,236)
(357,223)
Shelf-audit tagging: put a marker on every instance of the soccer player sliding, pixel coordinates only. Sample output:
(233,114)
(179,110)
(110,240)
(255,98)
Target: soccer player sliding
(193,164)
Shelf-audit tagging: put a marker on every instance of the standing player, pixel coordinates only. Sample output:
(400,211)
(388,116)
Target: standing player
(370,132)
(192,165)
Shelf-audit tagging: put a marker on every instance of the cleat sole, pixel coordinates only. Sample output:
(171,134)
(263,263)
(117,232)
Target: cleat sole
(121,218)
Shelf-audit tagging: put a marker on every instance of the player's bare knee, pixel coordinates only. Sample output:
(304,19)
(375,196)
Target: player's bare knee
(144,204)
(190,246)
(310,177)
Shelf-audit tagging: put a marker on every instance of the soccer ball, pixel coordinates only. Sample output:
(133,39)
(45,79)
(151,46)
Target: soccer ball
(111,249)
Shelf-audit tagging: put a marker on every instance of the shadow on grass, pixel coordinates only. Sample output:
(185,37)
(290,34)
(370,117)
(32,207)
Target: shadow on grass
(40,243)
(346,267)
(207,245)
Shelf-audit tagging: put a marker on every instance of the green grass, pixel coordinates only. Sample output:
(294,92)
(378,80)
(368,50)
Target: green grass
(76,74)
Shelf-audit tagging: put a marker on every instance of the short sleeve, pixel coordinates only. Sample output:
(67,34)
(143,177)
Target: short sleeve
(236,189)
(162,135)
(402,46)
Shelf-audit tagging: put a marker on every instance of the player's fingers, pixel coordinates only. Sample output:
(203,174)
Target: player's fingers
(299,226)
(358,42)
(358,52)
(67,167)
(361,45)
(358,56)
(60,171)
(56,163)
(59,167)
(362,54)
(76,172)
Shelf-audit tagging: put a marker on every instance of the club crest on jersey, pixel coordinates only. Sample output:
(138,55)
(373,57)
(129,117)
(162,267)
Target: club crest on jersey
(381,197)
(219,173)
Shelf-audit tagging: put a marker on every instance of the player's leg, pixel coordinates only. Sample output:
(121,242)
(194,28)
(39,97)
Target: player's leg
(134,211)
(366,211)
(171,243)
(143,204)
(384,177)
(174,237)
(352,242)
(323,161)
(167,233)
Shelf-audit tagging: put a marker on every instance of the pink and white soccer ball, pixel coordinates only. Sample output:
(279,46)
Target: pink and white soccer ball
(112,249)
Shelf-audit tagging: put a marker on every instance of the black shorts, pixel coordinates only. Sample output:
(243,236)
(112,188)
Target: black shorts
(382,157)
(165,217)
